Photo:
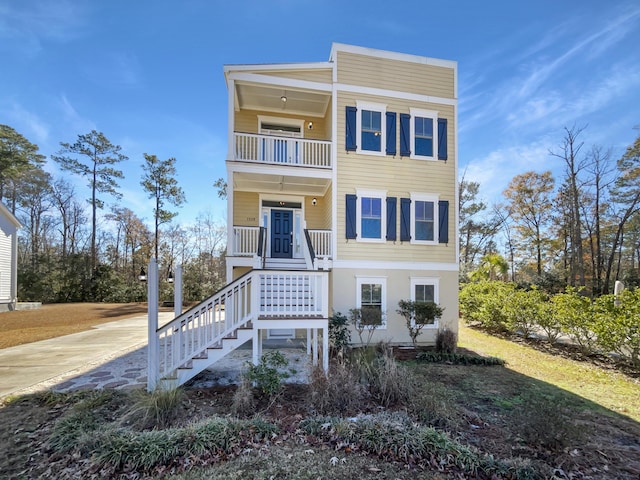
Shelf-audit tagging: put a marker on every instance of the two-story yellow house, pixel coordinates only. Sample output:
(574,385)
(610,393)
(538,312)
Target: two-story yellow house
(342,194)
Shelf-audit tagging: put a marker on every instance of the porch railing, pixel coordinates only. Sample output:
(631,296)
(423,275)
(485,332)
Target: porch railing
(245,240)
(293,294)
(281,150)
(321,241)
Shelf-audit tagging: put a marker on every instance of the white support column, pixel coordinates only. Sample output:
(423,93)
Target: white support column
(315,347)
(177,292)
(257,344)
(153,354)
(308,341)
(325,350)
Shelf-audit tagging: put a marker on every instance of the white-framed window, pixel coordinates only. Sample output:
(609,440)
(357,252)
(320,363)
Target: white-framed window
(371,128)
(371,212)
(424,134)
(424,218)
(371,294)
(425,289)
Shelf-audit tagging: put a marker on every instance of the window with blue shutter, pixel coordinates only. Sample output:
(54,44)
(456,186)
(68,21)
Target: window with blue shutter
(442,139)
(371,130)
(350,217)
(405,134)
(391,133)
(391,218)
(443,221)
(370,217)
(350,140)
(405,219)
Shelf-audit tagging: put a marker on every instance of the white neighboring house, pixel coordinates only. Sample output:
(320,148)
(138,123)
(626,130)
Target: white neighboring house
(9,226)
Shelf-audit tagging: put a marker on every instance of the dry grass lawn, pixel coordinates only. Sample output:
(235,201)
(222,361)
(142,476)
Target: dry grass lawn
(55,320)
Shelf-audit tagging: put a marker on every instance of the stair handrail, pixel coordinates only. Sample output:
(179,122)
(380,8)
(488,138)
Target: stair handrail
(204,325)
(309,253)
(262,246)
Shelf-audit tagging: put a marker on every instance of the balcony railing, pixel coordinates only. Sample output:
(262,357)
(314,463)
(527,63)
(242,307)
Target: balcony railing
(245,240)
(280,150)
(321,241)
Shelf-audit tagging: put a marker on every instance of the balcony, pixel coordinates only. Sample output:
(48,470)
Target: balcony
(275,150)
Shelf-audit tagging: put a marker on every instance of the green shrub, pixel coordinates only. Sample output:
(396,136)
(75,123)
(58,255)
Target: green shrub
(339,335)
(618,326)
(574,313)
(417,315)
(521,311)
(482,303)
(269,374)
(458,359)
(154,409)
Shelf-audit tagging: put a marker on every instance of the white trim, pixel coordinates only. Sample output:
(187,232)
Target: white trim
(334,165)
(289,122)
(271,80)
(362,279)
(277,66)
(372,107)
(424,197)
(435,281)
(393,265)
(403,57)
(269,169)
(381,92)
(430,114)
(382,195)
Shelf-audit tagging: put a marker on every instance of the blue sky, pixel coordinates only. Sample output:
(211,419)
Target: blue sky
(148,74)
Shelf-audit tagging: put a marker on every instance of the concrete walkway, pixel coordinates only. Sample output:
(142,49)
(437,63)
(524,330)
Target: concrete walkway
(113,355)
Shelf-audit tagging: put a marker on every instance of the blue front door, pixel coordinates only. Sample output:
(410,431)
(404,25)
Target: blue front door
(281,233)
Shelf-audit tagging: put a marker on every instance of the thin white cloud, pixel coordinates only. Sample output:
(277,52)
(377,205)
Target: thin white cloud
(27,123)
(72,120)
(32,22)
(115,69)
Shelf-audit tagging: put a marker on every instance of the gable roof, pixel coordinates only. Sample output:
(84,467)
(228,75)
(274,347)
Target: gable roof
(9,216)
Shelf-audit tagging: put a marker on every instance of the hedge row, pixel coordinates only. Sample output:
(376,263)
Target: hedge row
(604,324)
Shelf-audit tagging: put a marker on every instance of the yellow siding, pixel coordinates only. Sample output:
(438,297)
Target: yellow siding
(316,215)
(246,121)
(246,209)
(320,76)
(398,177)
(374,72)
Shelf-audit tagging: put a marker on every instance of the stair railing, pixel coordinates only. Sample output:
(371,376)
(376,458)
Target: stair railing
(205,325)
(309,253)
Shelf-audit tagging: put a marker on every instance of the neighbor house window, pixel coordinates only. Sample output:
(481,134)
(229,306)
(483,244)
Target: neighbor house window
(424,216)
(371,299)
(370,214)
(425,289)
(423,134)
(370,127)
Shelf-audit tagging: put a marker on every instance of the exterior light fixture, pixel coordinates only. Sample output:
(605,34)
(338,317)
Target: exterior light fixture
(143,275)
(170,277)
(310,126)
(314,200)
(283,98)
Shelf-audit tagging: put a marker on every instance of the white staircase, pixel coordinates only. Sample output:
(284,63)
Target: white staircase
(285,264)
(259,300)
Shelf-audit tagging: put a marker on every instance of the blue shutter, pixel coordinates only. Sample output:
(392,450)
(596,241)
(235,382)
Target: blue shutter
(391,133)
(350,140)
(442,139)
(350,218)
(391,218)
(405,134)
(443,221)
(405,219)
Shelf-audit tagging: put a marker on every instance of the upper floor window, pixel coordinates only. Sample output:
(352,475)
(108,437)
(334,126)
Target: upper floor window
(423,128)
(370,128)
(370,215)
(424,216)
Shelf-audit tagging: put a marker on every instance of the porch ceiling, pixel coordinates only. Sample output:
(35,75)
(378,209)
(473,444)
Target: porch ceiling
(268,98)
(258,182)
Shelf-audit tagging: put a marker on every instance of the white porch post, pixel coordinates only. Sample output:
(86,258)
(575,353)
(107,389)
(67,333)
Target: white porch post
(325,349)
(315,347)
(177,292)
(308,341)
(153,351)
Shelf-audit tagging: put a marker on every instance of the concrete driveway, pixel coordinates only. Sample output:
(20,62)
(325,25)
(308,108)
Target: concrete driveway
(109,355)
